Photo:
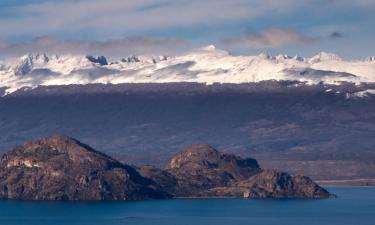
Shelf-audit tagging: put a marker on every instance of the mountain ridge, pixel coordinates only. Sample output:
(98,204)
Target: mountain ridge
(204,65)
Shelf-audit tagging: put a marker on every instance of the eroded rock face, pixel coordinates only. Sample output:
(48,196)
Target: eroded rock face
(62,168)
(201,167)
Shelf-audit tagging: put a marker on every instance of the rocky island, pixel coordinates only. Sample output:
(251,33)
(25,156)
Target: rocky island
(62,168)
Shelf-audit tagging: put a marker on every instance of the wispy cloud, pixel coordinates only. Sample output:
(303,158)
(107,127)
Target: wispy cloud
(111,18)
(114,48)
(117,17)
(200,21)
(270,38)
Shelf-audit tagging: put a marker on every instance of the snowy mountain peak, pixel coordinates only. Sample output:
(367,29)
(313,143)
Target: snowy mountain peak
(209,48)
(32,59)
(43,64)
(264,55)
(204,65)
(298,58)
(38,56)
(325,56)
(283,57)
(27,62)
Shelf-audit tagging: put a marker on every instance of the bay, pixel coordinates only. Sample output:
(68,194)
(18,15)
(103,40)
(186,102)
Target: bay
(354,206)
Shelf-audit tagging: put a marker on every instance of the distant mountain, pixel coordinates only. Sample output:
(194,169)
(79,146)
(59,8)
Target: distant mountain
(322,131)
(205,65)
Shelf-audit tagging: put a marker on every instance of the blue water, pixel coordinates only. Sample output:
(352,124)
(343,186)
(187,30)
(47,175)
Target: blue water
(354,206)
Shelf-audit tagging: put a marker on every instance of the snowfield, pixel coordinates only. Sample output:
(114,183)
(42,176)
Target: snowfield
(205,65)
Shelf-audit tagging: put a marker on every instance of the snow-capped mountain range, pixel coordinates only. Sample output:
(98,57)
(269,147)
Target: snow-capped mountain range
(205,65)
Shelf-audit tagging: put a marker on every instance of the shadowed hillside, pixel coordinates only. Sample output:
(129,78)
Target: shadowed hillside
(297,128)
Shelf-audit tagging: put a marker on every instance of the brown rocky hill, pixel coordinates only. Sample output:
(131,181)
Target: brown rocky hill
(201,167)
(62,168)
(272,184)
(202,171)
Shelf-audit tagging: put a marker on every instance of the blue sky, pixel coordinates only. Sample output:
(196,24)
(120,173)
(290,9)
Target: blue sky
(303,27)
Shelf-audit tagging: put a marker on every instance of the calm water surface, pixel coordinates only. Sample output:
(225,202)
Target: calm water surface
(354,206)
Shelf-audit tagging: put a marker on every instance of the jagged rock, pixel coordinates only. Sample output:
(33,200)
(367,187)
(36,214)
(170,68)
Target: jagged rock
(201,167)
(62,168)
(144,59)
(101,60)
(131,59)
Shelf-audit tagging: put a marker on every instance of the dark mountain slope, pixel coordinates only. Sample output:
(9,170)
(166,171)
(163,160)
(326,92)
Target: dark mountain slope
(300,129)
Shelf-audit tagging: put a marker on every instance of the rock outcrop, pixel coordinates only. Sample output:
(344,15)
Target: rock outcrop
(272,184)
(202,171)
(62,168)
(201,167)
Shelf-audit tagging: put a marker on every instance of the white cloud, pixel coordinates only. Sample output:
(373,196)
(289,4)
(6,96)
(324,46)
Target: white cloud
(119,16)
(104,19)
(114,48)
(270,38)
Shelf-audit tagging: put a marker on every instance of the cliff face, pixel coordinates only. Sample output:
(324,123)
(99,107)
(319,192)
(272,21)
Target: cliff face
(61,168)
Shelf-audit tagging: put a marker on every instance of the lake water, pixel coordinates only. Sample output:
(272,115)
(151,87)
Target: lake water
(354,206)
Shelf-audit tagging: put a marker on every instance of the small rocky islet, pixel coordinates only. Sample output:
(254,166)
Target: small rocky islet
(62,168)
